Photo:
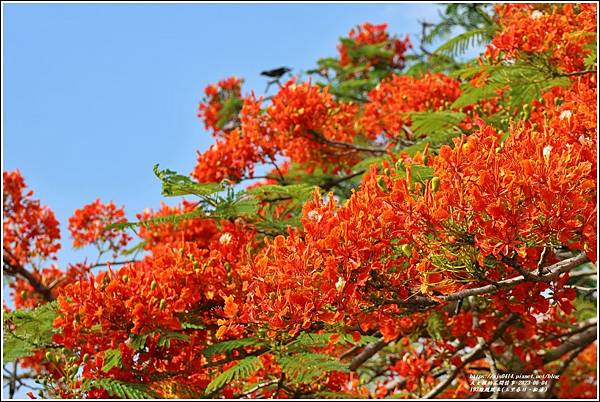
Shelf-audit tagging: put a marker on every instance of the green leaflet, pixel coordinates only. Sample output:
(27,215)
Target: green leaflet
(244,368)
(525,83)
(307,367)
(306,340)
(374,160)
(298,192)
(174,184)
(159,220)
(436,326)
(229,109)
(166,337)
(228,346)
(27,330)
(421,173)
(472,95)
(120,389)
(461,43)
(112,358)
(584,308)
(431,123)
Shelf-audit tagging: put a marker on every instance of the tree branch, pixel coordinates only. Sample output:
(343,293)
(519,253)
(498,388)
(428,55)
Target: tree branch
(14,268)
(367,353)
(321,138)
(551,273)
(473,355)
(581,339)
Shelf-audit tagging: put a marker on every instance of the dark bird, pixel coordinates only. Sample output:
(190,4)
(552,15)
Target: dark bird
(276,73)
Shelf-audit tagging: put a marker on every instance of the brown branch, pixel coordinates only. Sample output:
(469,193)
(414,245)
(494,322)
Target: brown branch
(100,264)
(256,388)
(334,182)
(575,73)
(581,339)
(562,368)
(321,138)
(367,353)
(474,354)
(551,273)
(582,326)
(14,268)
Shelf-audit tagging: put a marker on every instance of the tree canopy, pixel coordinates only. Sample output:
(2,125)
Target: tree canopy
(427,218)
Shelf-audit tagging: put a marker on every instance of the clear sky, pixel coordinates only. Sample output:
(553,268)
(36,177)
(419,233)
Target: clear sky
(96,94)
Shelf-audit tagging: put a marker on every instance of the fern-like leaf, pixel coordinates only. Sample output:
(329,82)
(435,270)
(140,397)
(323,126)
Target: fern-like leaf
(112,358)
(428,123)
(121,389)
(307,367)
(174,184)
(243,369)
(461,43)
(27,330)
(228,346)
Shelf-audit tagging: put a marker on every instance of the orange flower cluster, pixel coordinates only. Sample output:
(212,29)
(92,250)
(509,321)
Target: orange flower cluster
(235,154)
(180,291)
(30,229)
(374,260)
(561,31)
(212,110)
(391,100)
(303,122)
(198,231)
(87,227)
(371,34)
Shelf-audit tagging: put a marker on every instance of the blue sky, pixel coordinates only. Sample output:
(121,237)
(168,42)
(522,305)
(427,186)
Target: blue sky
(96,94)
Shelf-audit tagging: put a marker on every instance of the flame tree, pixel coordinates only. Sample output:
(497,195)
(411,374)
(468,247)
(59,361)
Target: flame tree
(426,220)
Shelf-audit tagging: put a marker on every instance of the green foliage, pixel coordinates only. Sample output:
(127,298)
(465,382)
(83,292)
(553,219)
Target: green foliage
(472,95)
(307,367)
(462,16)
(137,342)
(421,173)
(167,336)
(297,192)
(522,83)
(228,346)
(584,308)
(432,123)
(120,389)
(436,326)
(173,219)
(25,331)
(306,340)
(461,43)
(112,358)
(368,162)
(174,184)
(229,110)
(243,369)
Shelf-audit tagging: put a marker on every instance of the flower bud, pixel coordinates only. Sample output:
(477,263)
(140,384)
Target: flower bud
(435,184)
(406,250)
